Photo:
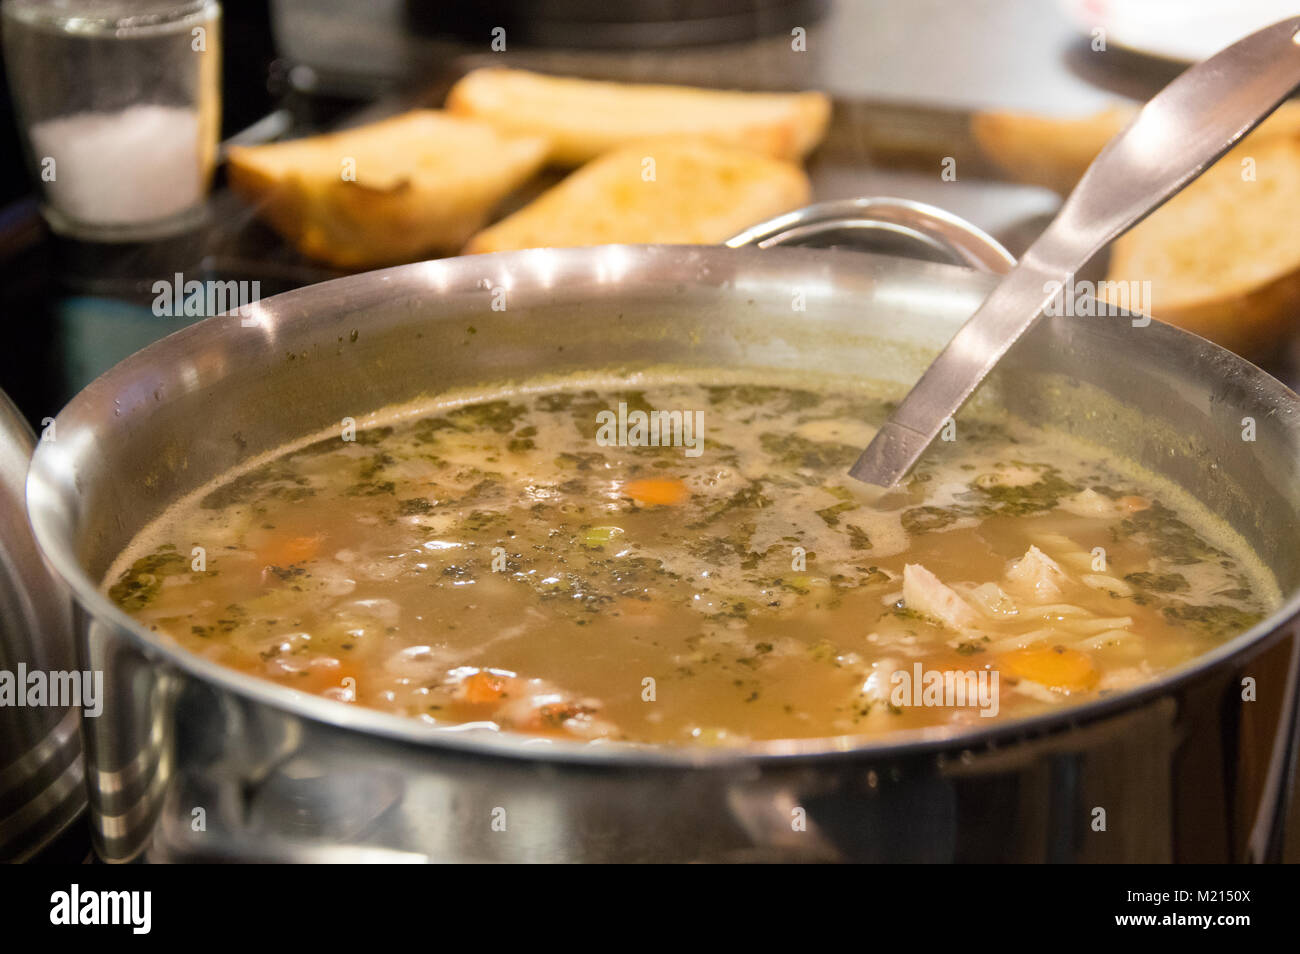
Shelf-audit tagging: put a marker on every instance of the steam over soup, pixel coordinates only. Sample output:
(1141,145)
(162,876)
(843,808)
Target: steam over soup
(529,560)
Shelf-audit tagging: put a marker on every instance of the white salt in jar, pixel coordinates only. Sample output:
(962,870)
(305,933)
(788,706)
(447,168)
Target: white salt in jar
(119,103)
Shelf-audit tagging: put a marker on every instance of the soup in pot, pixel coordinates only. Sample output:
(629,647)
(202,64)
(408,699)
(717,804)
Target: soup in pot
(682,559)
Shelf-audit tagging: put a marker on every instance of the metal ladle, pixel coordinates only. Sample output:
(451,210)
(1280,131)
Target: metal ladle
(1176,136)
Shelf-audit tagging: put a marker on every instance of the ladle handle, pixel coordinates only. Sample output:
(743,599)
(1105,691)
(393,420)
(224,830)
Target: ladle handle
(1182,130)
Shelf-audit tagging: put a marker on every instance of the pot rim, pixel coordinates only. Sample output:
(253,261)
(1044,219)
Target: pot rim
(508,744)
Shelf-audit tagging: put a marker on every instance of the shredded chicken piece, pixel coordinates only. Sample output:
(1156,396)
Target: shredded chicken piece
(924,593)
(991,598)
(878,685)
(1037,575)
(1089,503)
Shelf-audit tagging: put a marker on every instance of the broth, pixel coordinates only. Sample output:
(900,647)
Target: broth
(526,560)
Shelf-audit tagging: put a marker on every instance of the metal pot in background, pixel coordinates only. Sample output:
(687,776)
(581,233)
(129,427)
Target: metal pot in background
(631,25)
(194,761)
(41,784)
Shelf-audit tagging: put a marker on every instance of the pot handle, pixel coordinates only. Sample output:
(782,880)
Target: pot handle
(937,230)
(1268,836)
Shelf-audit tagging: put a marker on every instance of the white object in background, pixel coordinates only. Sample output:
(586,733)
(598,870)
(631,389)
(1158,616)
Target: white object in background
(1186,31)
(138,165)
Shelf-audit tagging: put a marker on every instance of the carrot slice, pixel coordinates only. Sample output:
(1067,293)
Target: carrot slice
(484,687)
(286,551)
(656,491)
(1059,668)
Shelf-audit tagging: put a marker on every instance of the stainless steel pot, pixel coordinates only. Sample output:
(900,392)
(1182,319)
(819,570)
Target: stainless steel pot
(41,786)
(191,760)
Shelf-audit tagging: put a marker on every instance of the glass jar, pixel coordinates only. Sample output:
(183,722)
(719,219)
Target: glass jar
(119,107)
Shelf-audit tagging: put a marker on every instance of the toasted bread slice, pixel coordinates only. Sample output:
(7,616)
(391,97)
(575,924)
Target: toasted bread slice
(584,118)
(1223,256)
(1047,151)
(671,191)
(389,192)
(1054,152)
